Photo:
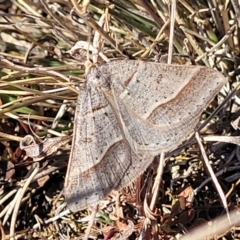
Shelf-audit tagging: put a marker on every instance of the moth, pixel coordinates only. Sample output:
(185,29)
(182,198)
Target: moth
(127,113)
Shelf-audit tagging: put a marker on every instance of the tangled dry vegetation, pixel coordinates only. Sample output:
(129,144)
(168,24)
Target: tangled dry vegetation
(40,75)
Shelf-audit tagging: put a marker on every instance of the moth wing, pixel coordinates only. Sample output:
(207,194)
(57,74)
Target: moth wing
(159,104)
(100,159)
(145,138)
(143,112)
(179,92)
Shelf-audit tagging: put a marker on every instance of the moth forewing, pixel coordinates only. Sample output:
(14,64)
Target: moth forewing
(166,123)
(102,163)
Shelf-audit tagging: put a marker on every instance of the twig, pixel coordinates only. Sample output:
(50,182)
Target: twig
(96,27)
(90,223)
(213,176)
(172,24)
(20,195)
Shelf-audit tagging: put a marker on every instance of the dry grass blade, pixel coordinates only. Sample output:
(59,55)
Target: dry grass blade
(20,196)
(218,227)
(213,176)
(227,139)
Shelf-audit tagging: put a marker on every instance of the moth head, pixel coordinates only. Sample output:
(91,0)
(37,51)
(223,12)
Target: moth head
(96,78)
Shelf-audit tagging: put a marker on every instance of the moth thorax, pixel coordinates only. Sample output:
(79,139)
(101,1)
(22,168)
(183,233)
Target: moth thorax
(98,80)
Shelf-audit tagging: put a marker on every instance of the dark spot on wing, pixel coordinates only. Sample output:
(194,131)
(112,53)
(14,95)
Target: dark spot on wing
(127,81)
(159,78)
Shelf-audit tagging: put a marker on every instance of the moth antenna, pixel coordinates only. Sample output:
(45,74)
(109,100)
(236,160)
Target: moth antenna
(125,133)
(88,64)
